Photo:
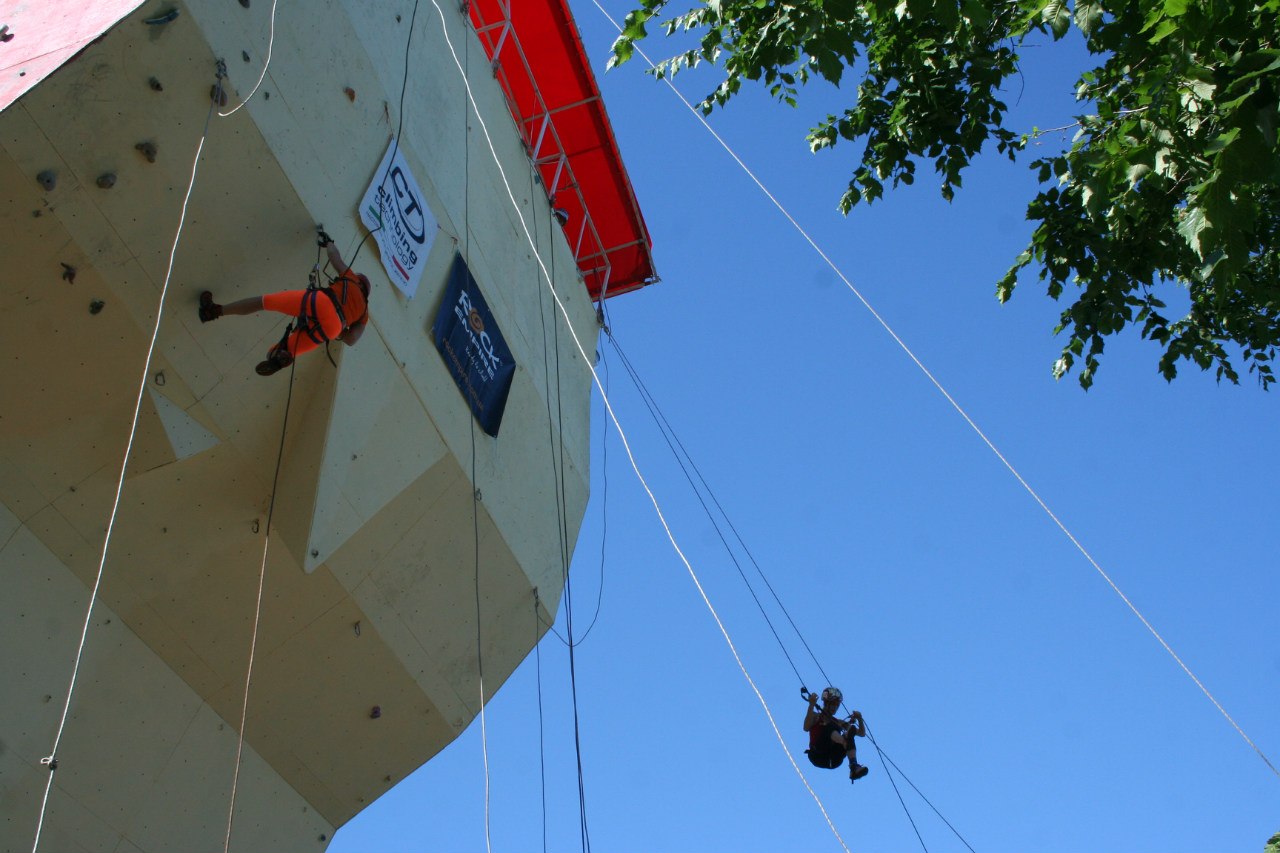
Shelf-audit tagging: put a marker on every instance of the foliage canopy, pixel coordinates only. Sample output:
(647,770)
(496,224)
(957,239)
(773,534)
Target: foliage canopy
(1173,174)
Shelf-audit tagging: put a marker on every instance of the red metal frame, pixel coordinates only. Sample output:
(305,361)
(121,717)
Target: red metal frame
(539,60)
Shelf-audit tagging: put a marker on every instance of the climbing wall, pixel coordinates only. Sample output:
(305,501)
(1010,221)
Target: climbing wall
(369,583)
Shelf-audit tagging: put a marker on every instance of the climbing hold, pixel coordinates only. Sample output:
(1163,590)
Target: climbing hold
(47,179)
(148,150)
(160,379)
(561,215)
(106,180)
(245,3)
(164,18)
(68,273)
(155,85)
(266,96)
(356,628)
(96,306)
(244,54)
(5,35)
(351,93)
(376,712)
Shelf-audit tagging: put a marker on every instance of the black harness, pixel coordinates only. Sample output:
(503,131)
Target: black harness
(308,321)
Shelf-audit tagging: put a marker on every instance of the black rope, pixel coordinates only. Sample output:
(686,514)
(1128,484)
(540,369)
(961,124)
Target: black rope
(395,146)
(901,801)
(604,507)
(884,756)
(668,435)
(542,749)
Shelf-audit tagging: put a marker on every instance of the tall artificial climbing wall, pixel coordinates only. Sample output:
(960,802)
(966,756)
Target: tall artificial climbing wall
(369,584)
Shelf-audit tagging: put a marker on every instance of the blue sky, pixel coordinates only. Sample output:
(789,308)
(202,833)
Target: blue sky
(992,662)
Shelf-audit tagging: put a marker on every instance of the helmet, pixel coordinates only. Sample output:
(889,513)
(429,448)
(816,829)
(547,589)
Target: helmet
(832,694)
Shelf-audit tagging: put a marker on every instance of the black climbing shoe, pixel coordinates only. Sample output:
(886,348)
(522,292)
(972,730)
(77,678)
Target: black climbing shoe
(209,310)
(857,771)
(277,360)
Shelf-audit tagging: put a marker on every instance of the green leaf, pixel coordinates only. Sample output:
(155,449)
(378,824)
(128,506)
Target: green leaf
(1088,16)
(1057,16)
(1192,226)
(1221,141)
(1166,28)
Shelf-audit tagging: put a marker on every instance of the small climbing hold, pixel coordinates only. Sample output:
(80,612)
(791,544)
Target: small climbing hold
(266,96)
(160,379)
(5,35)
(244,54)
(155,85)
(96,306)
(376,712)
(356,628)
(164,18)
(106,180)
(351,93)
(315,552)
(68,273)
(561,215)
(148,150)
(47,179)
(244,3)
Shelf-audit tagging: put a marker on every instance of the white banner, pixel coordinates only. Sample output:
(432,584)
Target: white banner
(394,209)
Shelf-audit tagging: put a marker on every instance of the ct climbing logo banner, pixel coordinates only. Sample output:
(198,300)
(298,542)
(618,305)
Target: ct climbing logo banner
(473,348)
(394,209)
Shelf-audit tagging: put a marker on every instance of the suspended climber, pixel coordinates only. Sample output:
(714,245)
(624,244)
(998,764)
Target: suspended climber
(337,311)
(832,738)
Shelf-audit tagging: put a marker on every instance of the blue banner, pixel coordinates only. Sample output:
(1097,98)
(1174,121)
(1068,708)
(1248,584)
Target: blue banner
(473,349)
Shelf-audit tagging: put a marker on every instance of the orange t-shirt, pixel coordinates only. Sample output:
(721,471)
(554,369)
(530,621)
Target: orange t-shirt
(353,298)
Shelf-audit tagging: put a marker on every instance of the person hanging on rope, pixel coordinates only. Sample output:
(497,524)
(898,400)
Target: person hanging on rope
(831,738)
(338,311)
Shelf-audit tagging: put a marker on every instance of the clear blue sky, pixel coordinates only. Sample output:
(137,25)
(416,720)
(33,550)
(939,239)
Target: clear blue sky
(994,665)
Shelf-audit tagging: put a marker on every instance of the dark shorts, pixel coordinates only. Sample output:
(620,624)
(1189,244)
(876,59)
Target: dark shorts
(828,759)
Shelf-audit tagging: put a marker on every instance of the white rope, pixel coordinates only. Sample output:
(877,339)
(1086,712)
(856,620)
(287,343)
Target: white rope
(51,761)
(484,751)
(982,435)
(271,41)
(248,678)
(622,434)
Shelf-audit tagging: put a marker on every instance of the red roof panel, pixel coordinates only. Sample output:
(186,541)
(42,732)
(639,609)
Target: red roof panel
(556,103)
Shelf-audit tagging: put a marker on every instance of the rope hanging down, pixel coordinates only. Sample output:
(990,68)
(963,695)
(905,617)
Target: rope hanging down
(682,456)
(51,761)
(253,643)
(257,615)
(955,405)
(622,433)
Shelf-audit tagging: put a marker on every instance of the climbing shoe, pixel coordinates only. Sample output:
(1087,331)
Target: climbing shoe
(209,310)
(857,771)
(277,360)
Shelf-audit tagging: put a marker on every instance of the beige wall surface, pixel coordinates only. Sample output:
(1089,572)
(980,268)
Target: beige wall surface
(369,591)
